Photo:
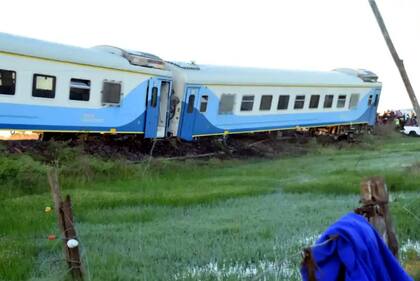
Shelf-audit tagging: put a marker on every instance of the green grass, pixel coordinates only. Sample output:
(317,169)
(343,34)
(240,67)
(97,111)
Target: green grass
(207,220)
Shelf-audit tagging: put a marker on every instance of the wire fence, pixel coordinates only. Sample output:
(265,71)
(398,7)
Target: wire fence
(286,260)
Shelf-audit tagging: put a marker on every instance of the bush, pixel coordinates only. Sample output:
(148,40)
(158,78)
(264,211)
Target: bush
(22,174)
(27,174)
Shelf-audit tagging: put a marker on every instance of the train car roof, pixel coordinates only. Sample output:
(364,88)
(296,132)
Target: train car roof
(228,75)
(96,57)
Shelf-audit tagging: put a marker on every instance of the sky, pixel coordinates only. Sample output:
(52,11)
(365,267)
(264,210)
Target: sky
(287,34)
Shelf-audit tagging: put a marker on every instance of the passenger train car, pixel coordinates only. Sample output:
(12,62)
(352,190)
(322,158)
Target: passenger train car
(49,87)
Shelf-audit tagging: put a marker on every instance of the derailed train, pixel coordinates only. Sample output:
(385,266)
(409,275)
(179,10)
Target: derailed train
(49,87)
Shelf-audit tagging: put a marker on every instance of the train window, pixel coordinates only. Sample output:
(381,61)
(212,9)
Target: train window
(191,100)
(354,101)
(370,100)
(283,102)
(266,102)
(154,100)
(299,102)
(7,82)
(203,103)
(79,89)
(341,102)
(314,102)
(111,92)
(328,101)
(247,103)
(376,100)
(43,86)
(226,104)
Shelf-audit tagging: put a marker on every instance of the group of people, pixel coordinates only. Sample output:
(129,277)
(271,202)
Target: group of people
(399,118)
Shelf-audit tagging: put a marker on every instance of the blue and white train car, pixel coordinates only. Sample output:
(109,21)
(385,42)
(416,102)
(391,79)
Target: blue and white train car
(231,100)
(50,87)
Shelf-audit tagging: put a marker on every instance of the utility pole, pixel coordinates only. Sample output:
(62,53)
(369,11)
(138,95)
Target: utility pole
(398,61)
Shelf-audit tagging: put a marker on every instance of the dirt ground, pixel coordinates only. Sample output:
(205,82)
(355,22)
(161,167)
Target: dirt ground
(136,148)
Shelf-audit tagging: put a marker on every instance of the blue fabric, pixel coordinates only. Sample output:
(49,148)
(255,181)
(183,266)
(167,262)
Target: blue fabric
(359,250)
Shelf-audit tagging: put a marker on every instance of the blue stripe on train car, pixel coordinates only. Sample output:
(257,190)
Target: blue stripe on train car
(128,117)
(212,123)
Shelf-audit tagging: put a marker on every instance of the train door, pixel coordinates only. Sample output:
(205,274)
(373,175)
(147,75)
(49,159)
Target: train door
(373,105)
(189,113)
(157,107)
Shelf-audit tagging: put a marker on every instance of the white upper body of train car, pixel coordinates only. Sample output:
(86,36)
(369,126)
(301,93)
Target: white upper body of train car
(46,87)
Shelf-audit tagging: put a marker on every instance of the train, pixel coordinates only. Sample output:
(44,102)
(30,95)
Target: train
(47,87)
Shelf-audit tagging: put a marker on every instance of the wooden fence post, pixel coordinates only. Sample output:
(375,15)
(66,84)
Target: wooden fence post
(64,214)
(374,197)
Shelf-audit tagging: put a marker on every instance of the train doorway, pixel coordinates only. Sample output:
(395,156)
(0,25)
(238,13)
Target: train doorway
(157,108)
(189,112)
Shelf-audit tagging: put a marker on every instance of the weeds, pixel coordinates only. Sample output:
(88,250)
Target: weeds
(211,218)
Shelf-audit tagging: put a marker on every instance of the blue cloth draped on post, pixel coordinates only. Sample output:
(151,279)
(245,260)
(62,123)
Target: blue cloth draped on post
(359,251)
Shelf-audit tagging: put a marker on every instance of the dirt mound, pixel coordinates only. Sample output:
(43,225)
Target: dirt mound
(135,148)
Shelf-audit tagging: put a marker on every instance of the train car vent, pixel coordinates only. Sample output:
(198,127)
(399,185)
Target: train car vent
(111,93)
(365,75)
(185,65)
(145,61)
(134,57)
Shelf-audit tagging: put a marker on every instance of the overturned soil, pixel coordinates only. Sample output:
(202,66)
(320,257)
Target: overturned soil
(135,148)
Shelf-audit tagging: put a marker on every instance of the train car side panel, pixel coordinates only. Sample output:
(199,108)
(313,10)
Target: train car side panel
(262,113)
(25,111)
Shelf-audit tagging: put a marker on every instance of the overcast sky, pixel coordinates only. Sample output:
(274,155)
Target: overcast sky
(296,34)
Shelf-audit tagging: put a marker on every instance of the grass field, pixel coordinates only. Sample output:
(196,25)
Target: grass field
(198,220)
